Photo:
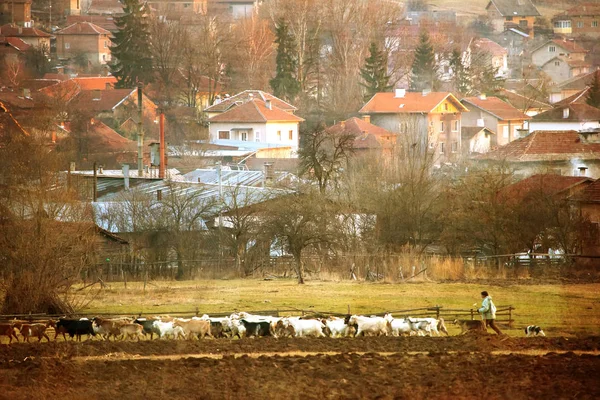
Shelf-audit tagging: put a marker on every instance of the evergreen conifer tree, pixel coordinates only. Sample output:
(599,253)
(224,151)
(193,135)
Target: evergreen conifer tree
(285,84)
(460,73)
(424,73)
(374,73)
(593,96)
(131,46)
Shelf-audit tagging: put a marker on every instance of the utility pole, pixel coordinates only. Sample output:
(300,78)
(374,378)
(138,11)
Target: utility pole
(140,133)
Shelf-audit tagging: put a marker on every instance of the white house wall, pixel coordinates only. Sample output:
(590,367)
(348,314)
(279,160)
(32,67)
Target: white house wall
(562,126)
(267,132)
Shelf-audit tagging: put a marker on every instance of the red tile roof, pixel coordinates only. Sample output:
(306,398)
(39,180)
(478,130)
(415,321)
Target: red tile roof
(468,132)
(248,95)
(577,112)
(96,83)
(546,185)
(102,139)
(368,136)
(489,46)
(498,108)
(255,111)
(106,22)
(545,146)
(15,100)
(15,43)
(591,194)
(15,31)
(411,102)
(101,100)
(523,103)
(569,45)
(585,9)
(83,28)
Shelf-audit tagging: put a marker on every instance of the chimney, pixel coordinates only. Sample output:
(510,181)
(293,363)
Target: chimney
(399,93)
(343,124)
(269,104)
(566,112)
(268,172)
(107,86)
(482,96)
(367,118)
(27,93)
(126,175)
(100,169)
(20,30)
(96,95)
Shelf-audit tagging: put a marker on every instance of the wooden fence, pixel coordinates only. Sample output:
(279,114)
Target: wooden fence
(504,314)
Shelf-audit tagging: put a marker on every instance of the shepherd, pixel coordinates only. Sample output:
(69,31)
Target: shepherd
(488,312)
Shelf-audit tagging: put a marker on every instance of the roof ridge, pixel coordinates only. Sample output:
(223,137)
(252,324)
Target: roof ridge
(260,112)
(533,135)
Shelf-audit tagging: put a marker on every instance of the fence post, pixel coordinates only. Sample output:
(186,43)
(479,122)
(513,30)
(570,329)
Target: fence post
(510,320)
(472,317)
(437,312)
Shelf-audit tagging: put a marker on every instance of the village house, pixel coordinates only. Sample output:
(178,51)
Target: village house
(101,7)
(16,12)
(560,59)
(234,8)
(588,202)
(436,116)
(574,116)
(476,140)
(11,48)
(582,19)
(369,139)
(32,36)
(498,116)
(256,119)
(568,153)
(177,9)
(498,55)
(571,86)
(72,7)
(103,21)
(84,38)
(520,14)
(527,105)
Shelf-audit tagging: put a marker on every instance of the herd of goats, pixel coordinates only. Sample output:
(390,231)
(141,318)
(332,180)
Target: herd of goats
(240,325)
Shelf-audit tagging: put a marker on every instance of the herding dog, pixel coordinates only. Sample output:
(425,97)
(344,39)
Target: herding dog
(534,330)
(467,325)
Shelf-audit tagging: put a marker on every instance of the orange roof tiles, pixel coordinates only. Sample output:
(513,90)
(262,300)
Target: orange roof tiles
(591,194)
(490,46)
(411,102)
(545,146)
(96,83)
(368,136)
(17,31)
(255,111)
(83,28)
(499,108)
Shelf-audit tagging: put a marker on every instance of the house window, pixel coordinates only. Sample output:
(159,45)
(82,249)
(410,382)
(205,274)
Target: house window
(106,44)
(445,106)
(552,49)
(442,147)
(594,24)
(582,171)
(454,147)
(562,24)
(223,134)
(505,132)
(186,5)
(257,136)
(244,136)
(455,125)
(580,24)
(557,63)
(442,126)
(67,46)
(431,144)
(291,135)
(279,135)
(509,18)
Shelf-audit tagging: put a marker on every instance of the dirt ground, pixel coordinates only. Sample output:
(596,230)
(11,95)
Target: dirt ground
(372,367)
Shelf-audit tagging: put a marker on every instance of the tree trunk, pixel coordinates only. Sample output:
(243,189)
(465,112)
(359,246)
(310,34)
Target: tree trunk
(299,268)
(180,267)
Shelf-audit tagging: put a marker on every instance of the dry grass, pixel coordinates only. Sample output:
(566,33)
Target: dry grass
(559,309)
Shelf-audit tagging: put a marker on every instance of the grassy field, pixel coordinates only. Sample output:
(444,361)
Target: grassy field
(559,309)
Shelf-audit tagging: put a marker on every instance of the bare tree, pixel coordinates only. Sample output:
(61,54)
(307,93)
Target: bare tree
(324,154)
(301,221)
(167,50)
